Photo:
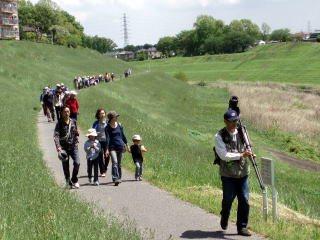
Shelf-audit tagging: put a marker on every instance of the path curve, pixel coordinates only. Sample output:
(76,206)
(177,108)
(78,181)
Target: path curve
(148,207)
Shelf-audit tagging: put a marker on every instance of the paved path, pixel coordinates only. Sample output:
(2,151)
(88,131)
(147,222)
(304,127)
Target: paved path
(150,208)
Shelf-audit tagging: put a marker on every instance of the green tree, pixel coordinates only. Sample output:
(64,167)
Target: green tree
(237,41)
(187,43)
(265,31)
(280,35)
(245,26)
(205,27)
(166,45)
(131,48)
(318,38)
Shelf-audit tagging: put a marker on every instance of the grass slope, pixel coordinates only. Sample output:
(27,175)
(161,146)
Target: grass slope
(291,63)
(32,205)
(177,123)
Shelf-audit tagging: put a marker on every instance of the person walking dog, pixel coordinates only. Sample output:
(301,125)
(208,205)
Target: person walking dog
(116,143)
(66,135)
(234,170)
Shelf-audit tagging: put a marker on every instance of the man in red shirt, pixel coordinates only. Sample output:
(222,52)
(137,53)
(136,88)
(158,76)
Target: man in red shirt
(72,103)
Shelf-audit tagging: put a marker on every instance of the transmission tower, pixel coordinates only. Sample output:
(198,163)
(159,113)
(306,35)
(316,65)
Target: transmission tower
(309,27)
(125,31)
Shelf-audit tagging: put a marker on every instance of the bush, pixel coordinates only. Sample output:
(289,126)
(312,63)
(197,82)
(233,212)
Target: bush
(318,38)
(181,76)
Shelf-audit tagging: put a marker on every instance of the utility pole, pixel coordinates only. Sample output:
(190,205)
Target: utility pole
(125,31)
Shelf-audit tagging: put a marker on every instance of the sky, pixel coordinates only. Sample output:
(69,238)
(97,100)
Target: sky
(149,20)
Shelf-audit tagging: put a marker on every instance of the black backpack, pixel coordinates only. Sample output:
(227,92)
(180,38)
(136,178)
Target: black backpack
(225,138)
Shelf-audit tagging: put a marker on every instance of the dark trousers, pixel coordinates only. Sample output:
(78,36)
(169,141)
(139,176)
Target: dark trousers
(74,116)
(59,112)
(103,161)
(236,187)
(93,163)
(50,112)
(74,154)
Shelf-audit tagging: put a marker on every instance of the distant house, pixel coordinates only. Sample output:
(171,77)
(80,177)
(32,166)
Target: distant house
(125,55)
(313,37)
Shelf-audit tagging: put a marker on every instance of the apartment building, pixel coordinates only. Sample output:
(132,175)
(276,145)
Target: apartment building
(9,23)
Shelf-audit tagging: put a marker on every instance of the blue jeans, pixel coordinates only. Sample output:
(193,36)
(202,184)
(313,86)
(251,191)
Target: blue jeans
(236,187)
(116,157)
(74,154)
(139,167)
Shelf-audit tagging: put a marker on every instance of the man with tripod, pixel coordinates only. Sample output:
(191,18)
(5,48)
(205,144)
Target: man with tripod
(234,170)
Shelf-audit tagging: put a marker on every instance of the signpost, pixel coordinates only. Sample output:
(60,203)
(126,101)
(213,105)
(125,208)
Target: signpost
(267,167)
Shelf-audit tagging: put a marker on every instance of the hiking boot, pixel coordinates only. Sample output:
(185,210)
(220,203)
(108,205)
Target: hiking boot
(117,182)
(96,183)
(224,223)
(140,178)
(244,232)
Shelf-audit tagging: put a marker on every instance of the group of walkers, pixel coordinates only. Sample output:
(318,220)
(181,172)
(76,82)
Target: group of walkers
(107,141)
(88,81)
(53,101)
(106,138)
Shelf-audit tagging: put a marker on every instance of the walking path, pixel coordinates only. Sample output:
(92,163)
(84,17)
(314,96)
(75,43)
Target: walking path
(150,208)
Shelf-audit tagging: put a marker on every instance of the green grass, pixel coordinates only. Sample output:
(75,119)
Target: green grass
(290,63)
(32,205)
(177,123)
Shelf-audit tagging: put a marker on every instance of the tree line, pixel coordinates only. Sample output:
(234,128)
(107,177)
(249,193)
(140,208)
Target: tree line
(213,36)
(49,23)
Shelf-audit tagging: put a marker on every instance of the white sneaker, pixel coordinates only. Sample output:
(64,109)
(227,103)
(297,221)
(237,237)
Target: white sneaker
(91,180)
(103,174)
(96,183)
(76,185)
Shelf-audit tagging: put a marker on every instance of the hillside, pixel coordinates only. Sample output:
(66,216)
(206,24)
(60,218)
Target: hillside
(177,123)
(32,205)
(290,63)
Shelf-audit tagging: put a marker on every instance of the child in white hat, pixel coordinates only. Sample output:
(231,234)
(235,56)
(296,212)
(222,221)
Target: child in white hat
(92,148)
(136,151)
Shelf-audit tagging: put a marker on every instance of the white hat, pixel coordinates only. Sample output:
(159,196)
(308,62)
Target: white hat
(136,137)
(73,93)
(67,92)
(58,85)
(62,84)
(92,132)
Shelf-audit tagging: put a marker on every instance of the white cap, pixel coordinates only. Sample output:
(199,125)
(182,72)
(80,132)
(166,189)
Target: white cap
(73,93)
(92,132)
(136,137)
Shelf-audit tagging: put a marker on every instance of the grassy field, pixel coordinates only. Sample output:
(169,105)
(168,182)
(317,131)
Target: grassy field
(32,205)
(177,123)
(290,63)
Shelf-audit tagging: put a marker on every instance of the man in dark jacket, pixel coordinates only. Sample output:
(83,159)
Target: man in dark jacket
(66,140)
(48,102)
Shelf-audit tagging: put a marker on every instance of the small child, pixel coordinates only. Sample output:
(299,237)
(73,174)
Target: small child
(92,147)
(136,150)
